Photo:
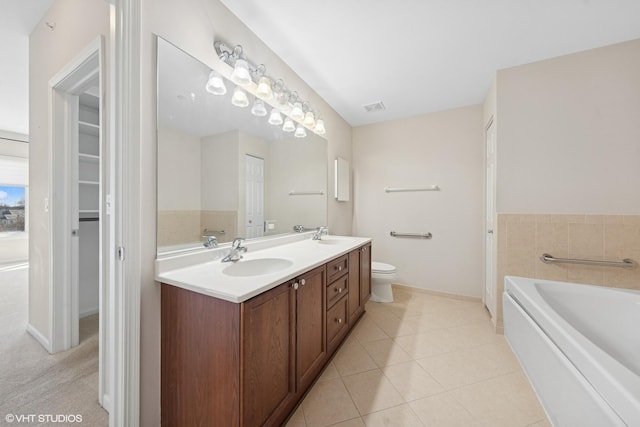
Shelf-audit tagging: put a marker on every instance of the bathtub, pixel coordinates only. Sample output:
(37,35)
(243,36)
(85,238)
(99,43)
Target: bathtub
(579,345)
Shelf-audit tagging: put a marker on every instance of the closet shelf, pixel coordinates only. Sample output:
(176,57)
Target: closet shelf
(89,158)
(88,211)
(88,128)
(81,182)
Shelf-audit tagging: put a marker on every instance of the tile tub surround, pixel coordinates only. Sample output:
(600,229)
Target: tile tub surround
(439,364)
(523,238)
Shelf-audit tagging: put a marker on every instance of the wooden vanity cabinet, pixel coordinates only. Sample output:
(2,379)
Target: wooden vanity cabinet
(360,281)
(249,364)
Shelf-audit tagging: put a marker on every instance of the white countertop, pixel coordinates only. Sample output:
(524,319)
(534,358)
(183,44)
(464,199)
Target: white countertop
(208,277)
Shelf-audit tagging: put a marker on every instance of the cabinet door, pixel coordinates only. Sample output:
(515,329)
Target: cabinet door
(268,374)
(365,274)
(355,306)
(311,325)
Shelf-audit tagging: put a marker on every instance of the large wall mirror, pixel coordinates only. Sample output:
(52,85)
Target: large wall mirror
(223,171)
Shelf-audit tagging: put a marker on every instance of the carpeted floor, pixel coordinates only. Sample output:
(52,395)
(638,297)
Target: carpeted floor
(34,382)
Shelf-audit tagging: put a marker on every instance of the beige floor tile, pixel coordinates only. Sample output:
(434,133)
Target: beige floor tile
(352,359)
(394,327)
(356,422)
(442,410)
(386,352)
(465,367)
(329,373)
(368,330)
(476,334)
(297,419)
(503,401)
(397,416)
(328,403)
(371,391)
(412,381)
(429,343)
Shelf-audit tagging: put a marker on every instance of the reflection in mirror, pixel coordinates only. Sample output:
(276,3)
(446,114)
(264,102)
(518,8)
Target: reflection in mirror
(223,171)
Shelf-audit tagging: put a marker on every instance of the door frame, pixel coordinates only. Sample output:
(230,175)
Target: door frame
(64,90)
(490,258)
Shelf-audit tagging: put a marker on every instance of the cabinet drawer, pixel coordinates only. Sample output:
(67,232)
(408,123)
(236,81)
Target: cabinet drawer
(337,290)
(337,268)
(336,323)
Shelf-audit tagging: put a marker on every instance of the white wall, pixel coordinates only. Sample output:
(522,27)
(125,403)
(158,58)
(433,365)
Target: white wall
(220,172)
(15,248)
(178,151)
(569,133)
(446,149)
(78,23)
(193,25)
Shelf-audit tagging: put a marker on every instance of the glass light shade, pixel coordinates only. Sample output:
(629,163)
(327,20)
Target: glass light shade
(258,108)
(309,119)
(215,84)
(296,111)
(240,73)
(239,98)
(275,118)
(300,132)
(319,128)
(288,125)
(264,90)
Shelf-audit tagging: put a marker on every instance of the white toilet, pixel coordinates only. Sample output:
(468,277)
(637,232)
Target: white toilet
(382,275)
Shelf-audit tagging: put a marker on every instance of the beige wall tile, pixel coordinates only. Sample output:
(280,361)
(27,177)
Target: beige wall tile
(631,219)
(586,274)
(521,235)
(603,219)
(586,241)
(568,219)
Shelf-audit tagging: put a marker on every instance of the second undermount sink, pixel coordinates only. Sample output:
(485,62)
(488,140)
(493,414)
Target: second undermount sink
(257,267)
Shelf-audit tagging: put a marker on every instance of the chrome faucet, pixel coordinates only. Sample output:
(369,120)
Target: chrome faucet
(236,249)
(210,242)
(321,231)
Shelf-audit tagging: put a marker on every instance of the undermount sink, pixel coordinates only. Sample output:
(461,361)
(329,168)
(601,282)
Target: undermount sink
(257,267)
(328,241)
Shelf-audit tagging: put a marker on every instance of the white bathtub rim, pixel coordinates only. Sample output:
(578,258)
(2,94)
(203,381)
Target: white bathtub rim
(617,385)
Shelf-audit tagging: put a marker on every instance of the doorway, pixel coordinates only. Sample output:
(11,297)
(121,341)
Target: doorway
(76,208)
(254,171)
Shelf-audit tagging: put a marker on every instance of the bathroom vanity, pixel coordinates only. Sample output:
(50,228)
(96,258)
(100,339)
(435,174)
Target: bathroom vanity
(243,349)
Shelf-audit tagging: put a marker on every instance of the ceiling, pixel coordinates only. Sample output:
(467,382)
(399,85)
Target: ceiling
(17,20)
(420,56)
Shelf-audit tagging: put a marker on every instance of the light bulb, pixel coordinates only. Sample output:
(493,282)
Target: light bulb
(300,132)
(258,108)
(275,118)
(296,111)
(309,119)
(239,98)
(319,128)
(240,73)
(215,84)
(264,90)
(288,125)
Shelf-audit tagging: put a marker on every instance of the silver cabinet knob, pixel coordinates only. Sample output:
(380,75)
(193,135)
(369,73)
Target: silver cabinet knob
(302,282)
(339,320)
(295,285)
(340,290)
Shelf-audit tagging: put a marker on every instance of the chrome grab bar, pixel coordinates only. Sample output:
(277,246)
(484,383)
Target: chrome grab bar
(208,232)
(306,193)
(625,263)
(416,235)
(398,190)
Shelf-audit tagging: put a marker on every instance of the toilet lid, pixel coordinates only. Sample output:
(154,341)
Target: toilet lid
(381,267)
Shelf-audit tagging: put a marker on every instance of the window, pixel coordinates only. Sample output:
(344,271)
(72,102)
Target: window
(12,209)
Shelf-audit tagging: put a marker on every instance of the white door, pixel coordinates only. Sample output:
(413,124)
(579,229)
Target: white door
(490,242)
(254,167)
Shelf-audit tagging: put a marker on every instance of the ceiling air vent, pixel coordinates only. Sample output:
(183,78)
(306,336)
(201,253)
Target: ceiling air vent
(376,106)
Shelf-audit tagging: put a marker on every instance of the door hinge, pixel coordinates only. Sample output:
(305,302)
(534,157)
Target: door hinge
(121,253)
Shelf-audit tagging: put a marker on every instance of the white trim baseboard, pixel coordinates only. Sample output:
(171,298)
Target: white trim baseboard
(39,337)
(89,312)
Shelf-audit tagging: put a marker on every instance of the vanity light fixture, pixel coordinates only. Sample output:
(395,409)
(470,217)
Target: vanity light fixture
(258,108)
(319,127)
(275,118)
(300,132)
(239,98)
(269,90)
(215,84)
(288,125)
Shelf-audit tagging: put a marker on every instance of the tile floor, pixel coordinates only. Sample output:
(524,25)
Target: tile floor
(423,360)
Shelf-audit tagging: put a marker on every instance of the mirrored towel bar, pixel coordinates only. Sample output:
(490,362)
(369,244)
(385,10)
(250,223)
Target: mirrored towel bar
(413,235)
(306,193)
(208,232)
(399,190)
(625,263)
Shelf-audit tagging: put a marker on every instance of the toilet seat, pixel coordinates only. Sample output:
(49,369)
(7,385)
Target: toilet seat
(382,268)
